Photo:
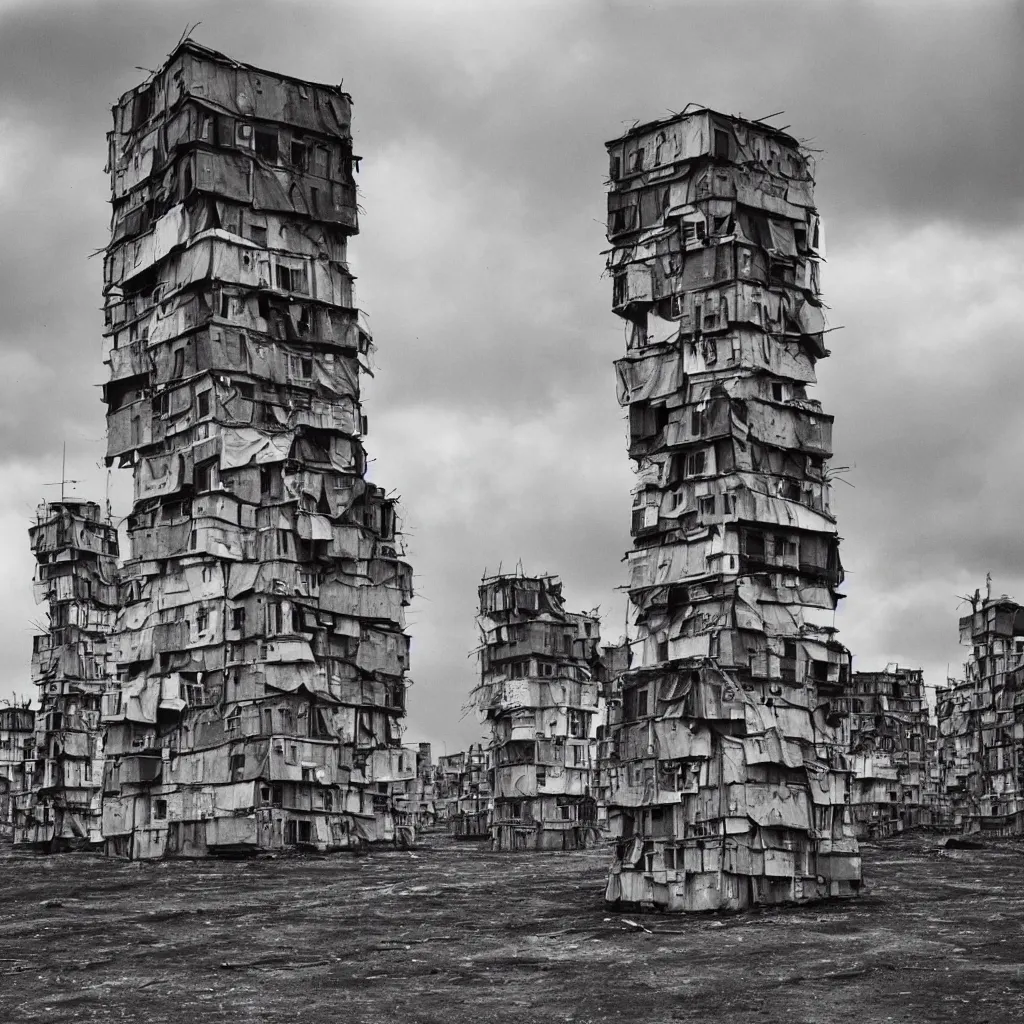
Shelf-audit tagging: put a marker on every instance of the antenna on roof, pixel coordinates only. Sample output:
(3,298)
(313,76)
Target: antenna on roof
(63,478)
(761,120)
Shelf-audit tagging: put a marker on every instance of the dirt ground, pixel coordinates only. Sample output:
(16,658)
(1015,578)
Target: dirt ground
(451,932)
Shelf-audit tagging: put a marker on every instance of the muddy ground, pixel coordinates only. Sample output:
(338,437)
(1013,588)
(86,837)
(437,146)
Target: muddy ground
(451,932)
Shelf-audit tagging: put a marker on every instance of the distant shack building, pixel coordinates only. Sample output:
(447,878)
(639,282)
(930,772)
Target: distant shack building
(539,693)
(463,784)
(889,747)
(415,801)
(981,723)
(17,747)
(58,805)
(260,647)
(730,780)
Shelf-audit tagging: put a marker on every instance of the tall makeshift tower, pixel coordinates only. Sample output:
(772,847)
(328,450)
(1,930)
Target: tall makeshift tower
(539,692)
(889,726)
(76,551)
(728,784)
(980,757)
(260,646)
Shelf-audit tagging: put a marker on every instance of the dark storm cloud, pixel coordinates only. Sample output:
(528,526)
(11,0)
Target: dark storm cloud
(493,410)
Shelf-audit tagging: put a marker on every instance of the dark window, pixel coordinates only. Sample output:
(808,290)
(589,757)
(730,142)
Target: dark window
(237,767)
(143,107)
(266,144)
(159,810)
(695,463)
(754,546)
(305,831)
(179,364)
(291,279)
(258,234)
(300,155)
(777,392)
(819,671)
(641,701)
(721,144)
(282,542)
(616,167)
(238,619)
(203,403)
(204,476)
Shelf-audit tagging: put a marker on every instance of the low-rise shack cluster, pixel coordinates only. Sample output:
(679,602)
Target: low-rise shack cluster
(729,774)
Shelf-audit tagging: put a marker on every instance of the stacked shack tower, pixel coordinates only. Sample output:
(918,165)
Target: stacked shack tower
(889,729)
(17,750)
(539,692)
(981,722)
(260,647)
(58,805)
(729,785)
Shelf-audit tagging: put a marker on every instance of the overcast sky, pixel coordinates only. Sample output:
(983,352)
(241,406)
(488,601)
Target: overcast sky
(493,411)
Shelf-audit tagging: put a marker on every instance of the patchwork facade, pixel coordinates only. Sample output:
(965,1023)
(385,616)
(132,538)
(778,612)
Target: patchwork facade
(17,751)
(463,786)
(889,746)
(57,803)
(539,693)
(981,723)
(260,648)
(728,773)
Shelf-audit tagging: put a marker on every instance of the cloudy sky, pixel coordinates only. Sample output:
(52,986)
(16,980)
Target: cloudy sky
(493,411)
